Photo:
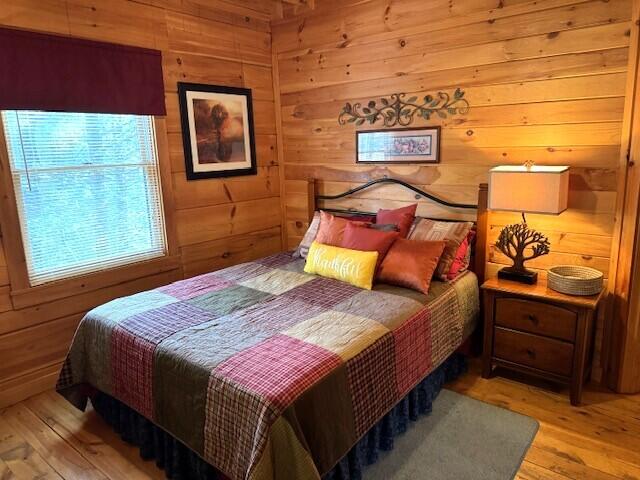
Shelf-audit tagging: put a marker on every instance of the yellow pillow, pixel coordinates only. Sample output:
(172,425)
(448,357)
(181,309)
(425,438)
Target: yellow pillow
(351,266)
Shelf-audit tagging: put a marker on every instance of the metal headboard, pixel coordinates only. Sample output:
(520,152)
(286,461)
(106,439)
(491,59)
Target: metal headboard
(481,219)
(395,181)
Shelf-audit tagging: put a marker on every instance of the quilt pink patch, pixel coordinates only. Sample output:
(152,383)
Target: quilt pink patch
(132,370)
(413,350)
(279,368)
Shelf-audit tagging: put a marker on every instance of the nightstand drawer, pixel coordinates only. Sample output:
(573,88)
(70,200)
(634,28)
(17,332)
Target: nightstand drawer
(542,353)
(536,317)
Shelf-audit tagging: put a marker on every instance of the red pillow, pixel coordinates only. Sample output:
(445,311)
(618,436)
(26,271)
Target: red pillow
(411,263)
(331,229)
(460,263)
(361,218)
(402,217)
(369,240)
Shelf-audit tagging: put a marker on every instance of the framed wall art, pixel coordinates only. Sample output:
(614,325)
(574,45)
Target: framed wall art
(398,145)
(217,130)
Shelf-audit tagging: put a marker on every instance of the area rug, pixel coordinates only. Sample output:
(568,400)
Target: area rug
(462,439)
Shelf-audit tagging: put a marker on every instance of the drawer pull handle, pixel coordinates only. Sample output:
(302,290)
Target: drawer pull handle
(531,353)
(533,319)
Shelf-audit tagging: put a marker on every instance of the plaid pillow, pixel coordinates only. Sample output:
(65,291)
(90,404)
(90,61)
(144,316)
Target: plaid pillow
(453,234)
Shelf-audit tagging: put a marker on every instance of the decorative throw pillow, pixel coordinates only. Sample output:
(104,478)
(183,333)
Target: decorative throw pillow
(368,239)
(332,228)
(309,237)
(361,218)
(452,233)
(411,263)
(351,266)
(463,256)
(402,217)
(385,227)
(312,232)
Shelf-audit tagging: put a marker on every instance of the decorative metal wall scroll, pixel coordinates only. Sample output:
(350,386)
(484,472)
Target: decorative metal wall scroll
(395,110)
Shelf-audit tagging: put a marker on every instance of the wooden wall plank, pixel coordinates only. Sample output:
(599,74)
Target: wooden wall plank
(570,88)
(566,134)
(564,66)
(586,156)
(33,348)
(303,70)
(231,13)
(549,21)
(216,254)
(201,36)
(207,192)
(580,178)
(16,389)
(537,47)
(349,22)
(528,113)
(203,224)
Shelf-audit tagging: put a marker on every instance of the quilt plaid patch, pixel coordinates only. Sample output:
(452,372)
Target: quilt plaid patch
(218,360)
(194,287)
(324,292)
(157,324)
(413,350)
(372,383)
(131,367)
(279,369)
(236,426)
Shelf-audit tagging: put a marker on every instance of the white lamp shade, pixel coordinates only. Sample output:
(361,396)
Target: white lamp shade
(536,189)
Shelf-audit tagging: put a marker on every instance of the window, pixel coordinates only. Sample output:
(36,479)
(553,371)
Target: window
(87,191)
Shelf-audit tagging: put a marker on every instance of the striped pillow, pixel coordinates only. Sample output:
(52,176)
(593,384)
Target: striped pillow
(309,237)
(452,233)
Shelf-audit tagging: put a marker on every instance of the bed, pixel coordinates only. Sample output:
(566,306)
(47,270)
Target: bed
(263,371)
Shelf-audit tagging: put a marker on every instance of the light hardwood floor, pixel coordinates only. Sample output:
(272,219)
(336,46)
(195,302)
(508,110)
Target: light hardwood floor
(46,438)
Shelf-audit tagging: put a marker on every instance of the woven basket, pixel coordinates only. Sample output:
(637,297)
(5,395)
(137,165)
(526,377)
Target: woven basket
(575,280)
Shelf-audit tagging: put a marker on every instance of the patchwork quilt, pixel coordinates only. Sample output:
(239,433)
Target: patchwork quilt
(264,371)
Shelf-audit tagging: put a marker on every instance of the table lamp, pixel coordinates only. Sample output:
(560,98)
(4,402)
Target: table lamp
(527,189)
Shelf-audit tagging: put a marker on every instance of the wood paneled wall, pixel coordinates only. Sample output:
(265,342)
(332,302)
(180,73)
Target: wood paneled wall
(218,222)
(545,80)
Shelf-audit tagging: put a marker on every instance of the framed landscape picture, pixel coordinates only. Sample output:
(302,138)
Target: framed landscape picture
(217,130)
(401,145)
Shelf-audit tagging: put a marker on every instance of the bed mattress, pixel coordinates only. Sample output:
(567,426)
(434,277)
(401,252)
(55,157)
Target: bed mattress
(263,370)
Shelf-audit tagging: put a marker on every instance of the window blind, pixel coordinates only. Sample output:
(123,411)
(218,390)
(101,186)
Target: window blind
(87,189)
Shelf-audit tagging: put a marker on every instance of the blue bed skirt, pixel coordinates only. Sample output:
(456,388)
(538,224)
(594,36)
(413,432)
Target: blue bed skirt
(181,463)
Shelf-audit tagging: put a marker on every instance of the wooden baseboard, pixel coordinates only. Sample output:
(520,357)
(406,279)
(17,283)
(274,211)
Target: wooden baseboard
(17,389)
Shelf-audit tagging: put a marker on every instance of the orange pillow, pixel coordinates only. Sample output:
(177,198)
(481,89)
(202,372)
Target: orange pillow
(332,228)
(402,217)
(411,263)
(358,237)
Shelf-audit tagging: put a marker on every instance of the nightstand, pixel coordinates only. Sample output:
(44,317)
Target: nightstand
(540,332)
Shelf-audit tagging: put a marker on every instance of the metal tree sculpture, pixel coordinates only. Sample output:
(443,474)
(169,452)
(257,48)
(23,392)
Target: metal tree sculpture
(514,241)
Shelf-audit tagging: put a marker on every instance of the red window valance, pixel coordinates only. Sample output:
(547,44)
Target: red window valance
(50,72)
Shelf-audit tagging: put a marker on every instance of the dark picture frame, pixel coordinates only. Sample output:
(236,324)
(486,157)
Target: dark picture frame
(217,130)
(398,145)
